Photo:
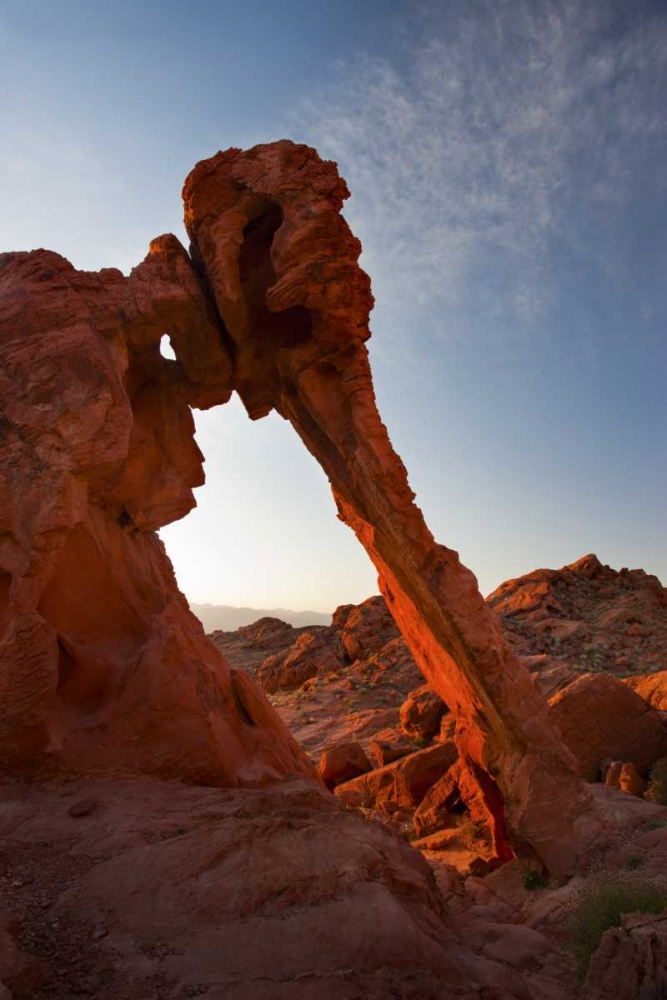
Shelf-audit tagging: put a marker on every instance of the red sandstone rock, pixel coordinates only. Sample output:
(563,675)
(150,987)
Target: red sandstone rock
(342,762)
(364,628)
(435,811)
(102,665)
(100,425)
(447,727)
(402,784)
(311,654)
(387,753)
(421,713)
(651,687)
(599,718)
(282,265)
(354,700)
(248,894)
(19,971)
(584,617)
(631,960)
(626,778)
(630,781)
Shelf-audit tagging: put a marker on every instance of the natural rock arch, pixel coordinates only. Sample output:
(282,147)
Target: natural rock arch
(102,664)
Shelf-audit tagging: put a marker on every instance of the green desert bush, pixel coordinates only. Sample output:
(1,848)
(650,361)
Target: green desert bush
(532,879)
(657,783)
(600,907)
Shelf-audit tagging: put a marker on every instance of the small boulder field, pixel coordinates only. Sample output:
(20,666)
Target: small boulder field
(594,640)
(118,887)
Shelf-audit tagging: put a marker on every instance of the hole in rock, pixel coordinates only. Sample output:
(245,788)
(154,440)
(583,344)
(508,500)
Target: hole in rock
(264,537)
(257,274)
(166,350)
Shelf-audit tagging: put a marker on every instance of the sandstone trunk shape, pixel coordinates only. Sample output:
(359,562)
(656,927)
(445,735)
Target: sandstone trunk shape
(281,263)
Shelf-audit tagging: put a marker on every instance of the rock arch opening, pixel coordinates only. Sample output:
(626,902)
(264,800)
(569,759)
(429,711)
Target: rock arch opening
(101,440)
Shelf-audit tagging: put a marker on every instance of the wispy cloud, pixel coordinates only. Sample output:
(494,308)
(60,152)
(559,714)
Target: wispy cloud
(501,135)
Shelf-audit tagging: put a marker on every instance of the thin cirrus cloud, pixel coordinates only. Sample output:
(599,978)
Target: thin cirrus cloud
(495,134)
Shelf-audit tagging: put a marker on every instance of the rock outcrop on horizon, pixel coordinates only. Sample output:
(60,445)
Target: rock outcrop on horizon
(584,617)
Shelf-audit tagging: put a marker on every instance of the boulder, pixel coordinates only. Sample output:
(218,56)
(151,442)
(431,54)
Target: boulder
(421,713)
(630,962)
(436,810)
(363,629)
(600,718)
(402,784)
(651,687)
(386,753)
(341,762)
(626,778)
(312,654)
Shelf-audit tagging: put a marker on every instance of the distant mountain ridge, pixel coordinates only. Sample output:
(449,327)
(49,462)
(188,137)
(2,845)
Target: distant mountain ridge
(228,618)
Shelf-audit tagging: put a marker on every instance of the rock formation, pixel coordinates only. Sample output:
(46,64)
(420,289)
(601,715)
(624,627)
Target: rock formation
(281,262)
(102,664)
(600,719)
(585,617)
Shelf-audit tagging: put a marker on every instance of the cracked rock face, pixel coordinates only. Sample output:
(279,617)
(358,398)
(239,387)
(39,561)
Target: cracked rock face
(102,663)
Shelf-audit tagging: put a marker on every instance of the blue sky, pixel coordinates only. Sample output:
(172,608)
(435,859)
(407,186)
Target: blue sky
(508,167)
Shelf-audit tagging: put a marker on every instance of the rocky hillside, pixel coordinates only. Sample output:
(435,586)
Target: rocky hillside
(594,640)
(585,617)
(344,681)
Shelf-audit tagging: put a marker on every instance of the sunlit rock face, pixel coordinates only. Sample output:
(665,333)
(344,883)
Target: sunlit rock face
(103,666)
(282,265)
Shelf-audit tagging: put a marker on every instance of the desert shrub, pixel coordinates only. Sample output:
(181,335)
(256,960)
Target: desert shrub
(634,861)
(472,835)
(657,783)
(531,879)
(600,907)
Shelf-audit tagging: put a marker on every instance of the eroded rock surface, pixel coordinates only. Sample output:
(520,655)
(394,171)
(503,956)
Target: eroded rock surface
(631,961)
(102,665)
(166,892)
(586,617)
(601,719)
(282,265)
